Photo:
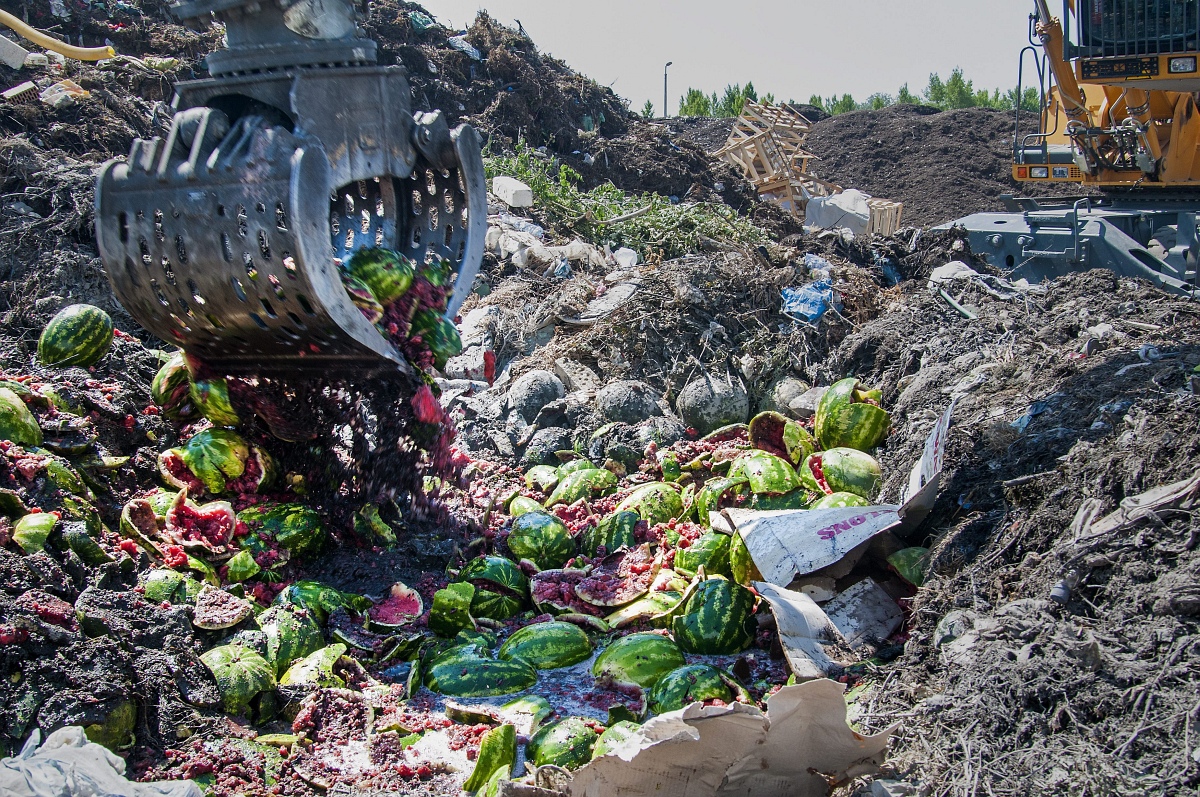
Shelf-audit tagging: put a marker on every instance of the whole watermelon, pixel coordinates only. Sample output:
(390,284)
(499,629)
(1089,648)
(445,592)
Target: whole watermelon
(387,274)
(79,335)
(718,619)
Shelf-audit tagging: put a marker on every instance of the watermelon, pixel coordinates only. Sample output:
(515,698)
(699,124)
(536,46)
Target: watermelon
(293,527)
(316,668)
(217,460)
(717,493)
(687,685)
(541,538)
(439,334)
(500,587)
(741,565)
(656,502)
(796,499)
(567,743)
(528,710)
(911,564)
(206,529)
(842,470)
(620,577)
(399,608)
(710,551)
(17,423)
(211,399)
(614,736)
(717,619)
(80,334)
(171,388)
(362,298)
(437,272)
(838,500)
(217,609)
(766,473)
(241,674)
(849,416)
(639,659)
(386,274)
(115,731)
(618,530)
(582,484)
(497,752)
(542,477)
(464,671)
(292,633)
(451,610)
(547,646)
(784,437)
(523,505)
(575,465)
(163,586)
(319,599)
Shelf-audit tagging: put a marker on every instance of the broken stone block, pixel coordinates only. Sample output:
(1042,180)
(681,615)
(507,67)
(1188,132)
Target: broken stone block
(805,405)
(512,192)
(576,376)
(865,615)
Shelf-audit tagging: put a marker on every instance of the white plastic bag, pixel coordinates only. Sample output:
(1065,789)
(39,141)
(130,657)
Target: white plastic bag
(68,765)
(848,210)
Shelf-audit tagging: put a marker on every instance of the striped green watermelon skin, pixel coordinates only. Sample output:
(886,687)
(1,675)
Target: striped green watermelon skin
(386,274)
(80,335)
(844,421)
(567,743)
(617,530)
(687,685)
(640,658)
(717,619)
(548,646)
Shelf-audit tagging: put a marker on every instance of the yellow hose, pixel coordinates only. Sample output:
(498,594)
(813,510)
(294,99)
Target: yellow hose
(54,45)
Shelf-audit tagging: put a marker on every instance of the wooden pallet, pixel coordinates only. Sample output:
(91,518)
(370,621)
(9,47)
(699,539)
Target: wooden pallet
(767,144)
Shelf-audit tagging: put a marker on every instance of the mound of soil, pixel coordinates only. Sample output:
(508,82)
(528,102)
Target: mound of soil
(942,165)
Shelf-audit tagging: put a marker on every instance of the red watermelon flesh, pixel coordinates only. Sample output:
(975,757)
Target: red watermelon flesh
(620,577)
(554,590)
(211,524)
(173,463)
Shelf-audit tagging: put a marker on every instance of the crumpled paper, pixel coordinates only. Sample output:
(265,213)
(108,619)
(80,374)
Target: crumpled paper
(798,748)
(68,765)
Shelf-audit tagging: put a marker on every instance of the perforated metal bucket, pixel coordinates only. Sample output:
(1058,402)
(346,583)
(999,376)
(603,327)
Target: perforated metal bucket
(229,252)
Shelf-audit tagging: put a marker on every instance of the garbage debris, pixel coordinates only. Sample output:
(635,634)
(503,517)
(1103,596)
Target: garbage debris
(847,210)
(22,92)
(12,54)
(66,764)
(461,44)
(63,94)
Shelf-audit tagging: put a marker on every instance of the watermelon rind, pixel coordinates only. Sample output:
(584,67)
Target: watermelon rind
(839,500)
(292,633)
(500,587)
(316,668)
(171,389)
(686,685)
(615,736)
(656,502)
(843,420)
(766,473)
(710,551)
(296,528)
(548,646)
(217,609)
(386,273)
(451,610)
(17,423)
(567,743)
(523,505)
(542,477)
(79,335)
(711,494)
(581,484)
(497,751)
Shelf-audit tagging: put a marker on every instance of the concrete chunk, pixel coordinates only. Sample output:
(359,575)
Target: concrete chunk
(577,376)
(512,192)
(12,54)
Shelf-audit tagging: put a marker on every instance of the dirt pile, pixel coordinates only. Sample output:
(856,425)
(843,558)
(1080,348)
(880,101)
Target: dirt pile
(942,165)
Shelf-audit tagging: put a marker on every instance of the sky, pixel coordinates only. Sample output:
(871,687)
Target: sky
(791,48)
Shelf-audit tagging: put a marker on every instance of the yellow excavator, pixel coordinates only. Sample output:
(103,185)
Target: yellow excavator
(1119,130)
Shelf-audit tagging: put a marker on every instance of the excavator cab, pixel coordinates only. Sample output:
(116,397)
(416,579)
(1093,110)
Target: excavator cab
(1118,131)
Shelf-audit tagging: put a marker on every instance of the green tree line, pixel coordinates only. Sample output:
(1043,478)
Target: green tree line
(953,92)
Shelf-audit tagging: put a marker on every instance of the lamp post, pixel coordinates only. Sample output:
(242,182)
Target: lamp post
(665,112)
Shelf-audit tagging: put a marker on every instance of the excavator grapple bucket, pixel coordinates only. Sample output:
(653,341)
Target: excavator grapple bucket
(225,238)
